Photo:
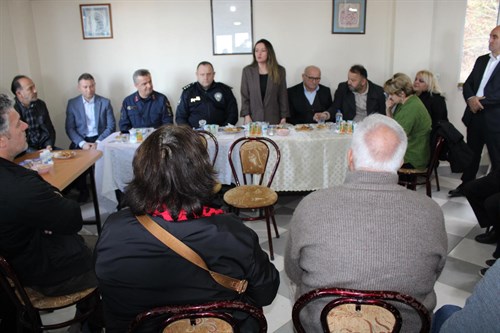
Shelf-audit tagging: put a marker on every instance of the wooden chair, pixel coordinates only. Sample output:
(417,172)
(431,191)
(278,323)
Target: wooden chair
(252,193)
(411,177)
(30,303)
(209,317)
(206,136)
(359,310)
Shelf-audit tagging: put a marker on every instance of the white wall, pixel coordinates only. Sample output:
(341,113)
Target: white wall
(43,39)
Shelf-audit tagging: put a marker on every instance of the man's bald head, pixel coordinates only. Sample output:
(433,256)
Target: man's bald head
(378,144)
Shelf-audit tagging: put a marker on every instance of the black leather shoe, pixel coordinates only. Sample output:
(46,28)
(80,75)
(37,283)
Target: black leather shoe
(482,272)
(487,237)
(456,192)
(490,262)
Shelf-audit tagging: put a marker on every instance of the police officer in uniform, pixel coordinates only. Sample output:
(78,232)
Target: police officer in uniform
(145,107)
(206,99)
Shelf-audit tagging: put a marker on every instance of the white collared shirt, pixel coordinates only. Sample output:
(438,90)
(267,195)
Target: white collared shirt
(90,116)
(310,95)
(492,64)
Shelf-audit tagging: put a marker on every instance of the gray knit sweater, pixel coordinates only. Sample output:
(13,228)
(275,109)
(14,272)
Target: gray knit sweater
(369,233)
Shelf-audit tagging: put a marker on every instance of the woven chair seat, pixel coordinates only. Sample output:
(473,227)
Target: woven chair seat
(42,302)
(251,196)
(412,171)
(201,325)
(370,318)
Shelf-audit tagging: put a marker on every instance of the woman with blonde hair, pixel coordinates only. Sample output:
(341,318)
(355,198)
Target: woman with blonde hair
(427,89)
(263,87)
(411,114)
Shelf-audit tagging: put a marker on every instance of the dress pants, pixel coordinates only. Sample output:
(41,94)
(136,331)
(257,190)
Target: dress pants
(477,137)
(81,181)
(483,195)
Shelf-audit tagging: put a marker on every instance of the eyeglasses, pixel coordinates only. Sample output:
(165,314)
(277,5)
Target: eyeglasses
(312,78)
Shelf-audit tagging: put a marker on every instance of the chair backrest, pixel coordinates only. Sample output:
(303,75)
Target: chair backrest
(29,302)
(360,310)
(254,154)
(435,153)
(205,137)
(208,317)
(14,288)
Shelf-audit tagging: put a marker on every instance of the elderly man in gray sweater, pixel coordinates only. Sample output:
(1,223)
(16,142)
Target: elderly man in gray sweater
(369,233)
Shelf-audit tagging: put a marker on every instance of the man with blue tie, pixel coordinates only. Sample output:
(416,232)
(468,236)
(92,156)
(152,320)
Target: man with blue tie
(89,120)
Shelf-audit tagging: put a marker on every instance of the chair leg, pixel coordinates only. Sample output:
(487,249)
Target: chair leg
(428,187)
(274,222)
(267,213)
(437,178)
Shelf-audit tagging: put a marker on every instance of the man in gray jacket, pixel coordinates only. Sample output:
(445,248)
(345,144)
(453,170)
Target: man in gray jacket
(369,233)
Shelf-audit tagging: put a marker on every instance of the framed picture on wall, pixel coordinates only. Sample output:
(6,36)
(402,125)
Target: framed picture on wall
(96,21)
(232,26)
(349,16)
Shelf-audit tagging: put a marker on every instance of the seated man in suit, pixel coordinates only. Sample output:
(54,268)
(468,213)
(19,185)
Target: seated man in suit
(38,228)
(309,100)
(386,238)
(33,111)
(358,97)
(206,99)
(145,107)
(89,120)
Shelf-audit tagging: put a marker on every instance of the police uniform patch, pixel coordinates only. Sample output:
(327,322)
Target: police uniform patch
(218,96)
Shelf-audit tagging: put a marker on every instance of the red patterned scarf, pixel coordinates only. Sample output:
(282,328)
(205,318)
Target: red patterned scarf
(207,211)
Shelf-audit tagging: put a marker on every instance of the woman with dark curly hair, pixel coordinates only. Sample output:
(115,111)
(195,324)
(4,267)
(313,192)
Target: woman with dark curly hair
(173,184)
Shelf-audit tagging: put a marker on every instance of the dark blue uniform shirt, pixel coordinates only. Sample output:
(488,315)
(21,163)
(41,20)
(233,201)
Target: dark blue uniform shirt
(138,112)
(217,105)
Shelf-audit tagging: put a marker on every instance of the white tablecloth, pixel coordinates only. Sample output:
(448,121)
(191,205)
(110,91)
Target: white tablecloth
(309,161)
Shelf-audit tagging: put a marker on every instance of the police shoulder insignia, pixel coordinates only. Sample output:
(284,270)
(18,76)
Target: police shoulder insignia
(187,86)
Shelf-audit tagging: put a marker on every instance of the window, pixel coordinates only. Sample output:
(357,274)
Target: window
(481,17)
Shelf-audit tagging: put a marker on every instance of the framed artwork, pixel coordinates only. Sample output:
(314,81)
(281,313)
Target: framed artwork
(96,21)
(349,16)
(232,26)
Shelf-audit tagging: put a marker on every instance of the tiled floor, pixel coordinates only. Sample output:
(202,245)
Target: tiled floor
(455,284)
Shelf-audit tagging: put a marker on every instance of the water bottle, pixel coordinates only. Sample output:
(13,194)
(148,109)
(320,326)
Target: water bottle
(338,120)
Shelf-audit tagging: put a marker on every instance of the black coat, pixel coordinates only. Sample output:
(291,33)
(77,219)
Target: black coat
(28,207)
(137,272)
(344,101)
(455,150)
(301,111)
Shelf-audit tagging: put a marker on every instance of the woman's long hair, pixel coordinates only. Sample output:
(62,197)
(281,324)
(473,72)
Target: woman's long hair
(172,171)
(272,62)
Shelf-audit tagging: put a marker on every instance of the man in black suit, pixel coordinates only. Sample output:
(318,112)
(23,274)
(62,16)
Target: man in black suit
(481,92)
(309,100)
(358,97)
(38,228)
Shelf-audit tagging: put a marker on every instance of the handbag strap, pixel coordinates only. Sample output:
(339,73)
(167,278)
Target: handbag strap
(187,253)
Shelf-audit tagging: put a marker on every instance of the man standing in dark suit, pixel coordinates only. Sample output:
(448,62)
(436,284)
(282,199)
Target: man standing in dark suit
(481,92)
(309,100)
(358,97)
(89,120)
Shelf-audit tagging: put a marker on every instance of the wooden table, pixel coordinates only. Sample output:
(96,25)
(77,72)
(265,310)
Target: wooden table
(65,171)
